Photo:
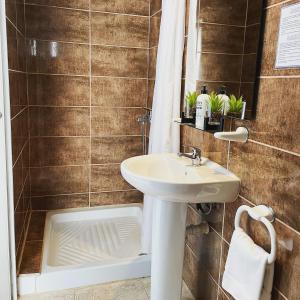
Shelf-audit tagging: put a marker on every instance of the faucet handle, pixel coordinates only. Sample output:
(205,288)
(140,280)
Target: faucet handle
(196,152)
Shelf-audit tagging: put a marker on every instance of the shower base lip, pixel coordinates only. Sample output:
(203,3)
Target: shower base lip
(61,270)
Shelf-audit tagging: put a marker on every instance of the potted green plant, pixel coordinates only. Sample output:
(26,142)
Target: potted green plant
(191,100)
(235,106)
(215,105)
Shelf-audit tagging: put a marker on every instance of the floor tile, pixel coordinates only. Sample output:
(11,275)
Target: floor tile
(136,289)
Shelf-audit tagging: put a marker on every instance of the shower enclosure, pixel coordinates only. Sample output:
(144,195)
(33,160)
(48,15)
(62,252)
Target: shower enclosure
(80,75)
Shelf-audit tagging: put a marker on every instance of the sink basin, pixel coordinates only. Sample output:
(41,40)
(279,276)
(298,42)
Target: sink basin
(173,182)
(173,178)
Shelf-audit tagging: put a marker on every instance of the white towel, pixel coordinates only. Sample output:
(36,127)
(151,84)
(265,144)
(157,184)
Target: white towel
(247,275)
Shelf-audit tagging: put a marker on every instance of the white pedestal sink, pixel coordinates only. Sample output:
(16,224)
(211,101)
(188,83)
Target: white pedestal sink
(174,183)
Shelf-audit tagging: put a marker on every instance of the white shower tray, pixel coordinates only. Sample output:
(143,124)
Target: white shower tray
(89,246)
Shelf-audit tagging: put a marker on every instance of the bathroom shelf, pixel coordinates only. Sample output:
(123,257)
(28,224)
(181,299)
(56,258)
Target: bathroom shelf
(193,126)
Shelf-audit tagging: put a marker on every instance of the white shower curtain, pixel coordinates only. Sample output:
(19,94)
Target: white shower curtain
(164,133)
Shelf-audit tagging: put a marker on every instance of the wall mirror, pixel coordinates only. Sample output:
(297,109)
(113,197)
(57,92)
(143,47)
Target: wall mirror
(223,45)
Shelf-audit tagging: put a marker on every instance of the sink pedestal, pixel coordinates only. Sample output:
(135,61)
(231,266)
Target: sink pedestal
(168,240)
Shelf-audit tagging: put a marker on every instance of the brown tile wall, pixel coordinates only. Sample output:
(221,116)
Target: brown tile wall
(222,25)
(229,39)
(154,27)
(87,84)
(16,41)
(268,165)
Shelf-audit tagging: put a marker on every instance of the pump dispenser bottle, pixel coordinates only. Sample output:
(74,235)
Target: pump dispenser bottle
(222,95)
(202,108)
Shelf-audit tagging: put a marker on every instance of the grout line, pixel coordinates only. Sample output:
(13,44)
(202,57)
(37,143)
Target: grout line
(78,194)
(87,75)
(16,71)
(280,293)
(244,43)
(19,113)
(86,43)
(25,236)
(220,81)
(287,226)
(222,237)
(83,136)
(57,195)
(154,13)
(228,148)
(28,118)
(274,147)
(58,166)
(223,294)
(221,53)
(219,24)
(251,53)
(15,26)
(121,14)
(19,155)
(212,278)
(24,242)
(246,200)
(148,53)
(250,25)
(21,192)
(192,251)
(225,241)
(83,106)
(86,10)
(90,90)
(277,4)
(74,165)
(215,231)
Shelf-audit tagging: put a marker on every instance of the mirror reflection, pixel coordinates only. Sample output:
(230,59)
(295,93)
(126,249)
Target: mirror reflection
(222,55)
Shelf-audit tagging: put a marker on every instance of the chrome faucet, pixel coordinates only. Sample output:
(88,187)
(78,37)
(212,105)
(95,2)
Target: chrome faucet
(195,156)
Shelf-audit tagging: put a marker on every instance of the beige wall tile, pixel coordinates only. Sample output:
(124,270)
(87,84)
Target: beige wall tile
(115,121)
(119,62)
(59,121)
(155,6)
(18,92)
(276,121)
(119,30)
(113,198)
(32,257)
(57,151)
(228,12)
(222,39)
(36,226)
(226,67)
(59,180)
(58,58)
(154,30)
(119,92)
(58,90)
(107,178)
(136,7)
(60,201)
(52,23)
(80,4)
(268,176)
(115,149)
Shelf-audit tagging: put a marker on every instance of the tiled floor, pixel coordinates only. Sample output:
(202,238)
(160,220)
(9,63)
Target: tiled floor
(137,289)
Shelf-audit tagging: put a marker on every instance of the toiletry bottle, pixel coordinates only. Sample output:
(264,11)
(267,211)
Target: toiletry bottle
(201,108)
(222,95)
